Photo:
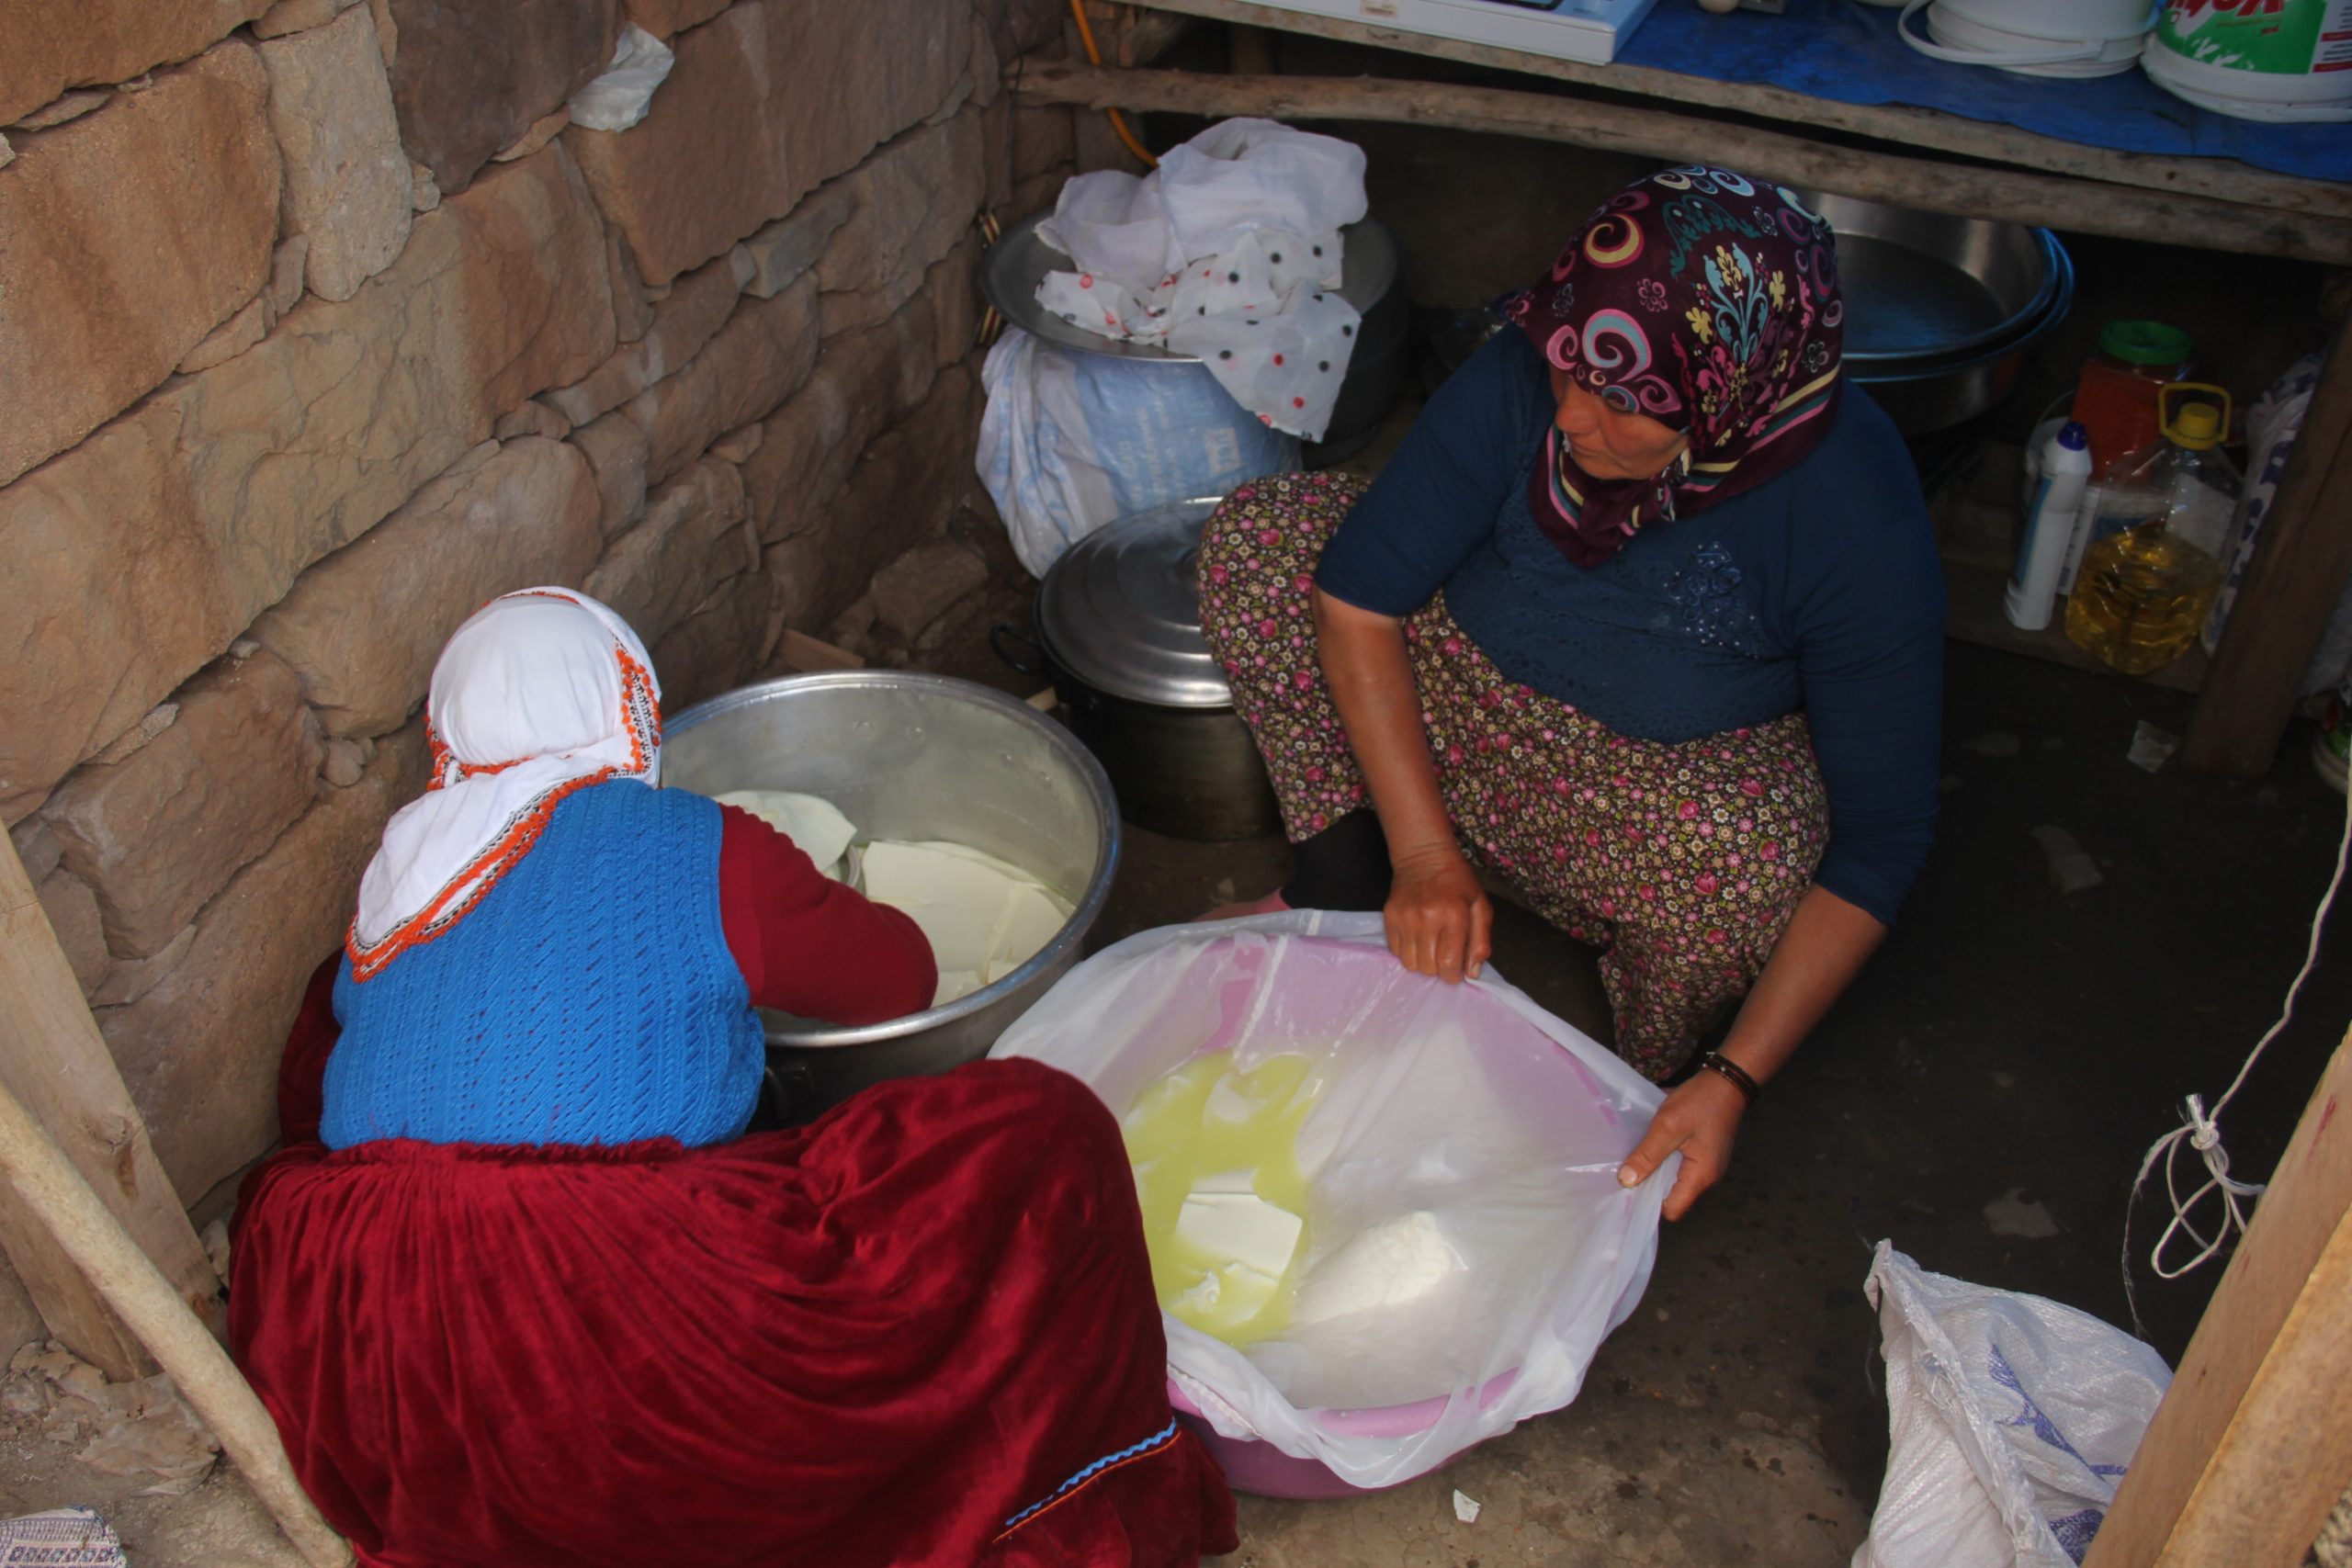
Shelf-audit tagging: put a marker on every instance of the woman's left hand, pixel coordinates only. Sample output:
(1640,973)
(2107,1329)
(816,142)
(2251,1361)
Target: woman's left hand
(1700,1119)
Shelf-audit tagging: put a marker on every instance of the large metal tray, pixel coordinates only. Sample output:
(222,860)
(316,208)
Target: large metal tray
(1017,264)
(1925,289)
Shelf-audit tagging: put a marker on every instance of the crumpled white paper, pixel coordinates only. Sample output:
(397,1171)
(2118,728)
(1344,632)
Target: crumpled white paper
(1230,252)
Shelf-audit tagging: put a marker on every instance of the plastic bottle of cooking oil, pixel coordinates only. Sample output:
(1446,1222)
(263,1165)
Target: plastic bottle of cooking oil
(2151,574)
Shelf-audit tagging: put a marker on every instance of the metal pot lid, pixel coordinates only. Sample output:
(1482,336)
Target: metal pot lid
(1120,610)
(1013,268)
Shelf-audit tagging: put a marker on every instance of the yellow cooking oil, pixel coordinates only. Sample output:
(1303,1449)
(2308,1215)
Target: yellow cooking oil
(2141,598)
(1205,1121)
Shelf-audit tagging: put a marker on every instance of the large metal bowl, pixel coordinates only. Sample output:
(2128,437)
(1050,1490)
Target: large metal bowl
(914,756)
(1940,309)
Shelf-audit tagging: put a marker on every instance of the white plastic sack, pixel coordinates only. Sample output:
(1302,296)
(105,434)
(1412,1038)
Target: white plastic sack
(618,98)
(2271,431)
(2012,1418)
(1070,442)
(1466,1103)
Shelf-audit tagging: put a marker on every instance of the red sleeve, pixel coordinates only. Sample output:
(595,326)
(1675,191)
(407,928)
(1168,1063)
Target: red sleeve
(302,1071)
(809,945)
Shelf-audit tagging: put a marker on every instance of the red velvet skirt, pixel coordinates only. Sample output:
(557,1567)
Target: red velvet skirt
(921,1331)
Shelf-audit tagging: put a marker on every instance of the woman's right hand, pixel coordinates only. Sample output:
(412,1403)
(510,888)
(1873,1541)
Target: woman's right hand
(1438,919)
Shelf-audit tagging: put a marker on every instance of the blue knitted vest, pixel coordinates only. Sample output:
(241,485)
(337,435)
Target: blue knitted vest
(589,998)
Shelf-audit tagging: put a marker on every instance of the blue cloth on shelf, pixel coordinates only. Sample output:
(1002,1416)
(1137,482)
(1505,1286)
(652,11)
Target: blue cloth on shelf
(1819,590)
(1847,51)
(590,998)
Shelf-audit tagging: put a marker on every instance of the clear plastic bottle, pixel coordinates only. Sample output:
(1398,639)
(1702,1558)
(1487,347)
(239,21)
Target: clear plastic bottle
(2144,587)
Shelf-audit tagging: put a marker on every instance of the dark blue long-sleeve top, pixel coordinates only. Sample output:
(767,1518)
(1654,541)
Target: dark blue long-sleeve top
(1819,590)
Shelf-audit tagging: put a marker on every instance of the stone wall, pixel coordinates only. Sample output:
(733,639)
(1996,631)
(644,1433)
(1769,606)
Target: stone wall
(319,324)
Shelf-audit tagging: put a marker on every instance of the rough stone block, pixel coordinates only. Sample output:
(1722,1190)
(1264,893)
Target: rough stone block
(543,130)
(231,337)
(632,311)
(697,307)
(904,489)
(785,249)
(135,558)
(128,979)
(129,234)
(286,265)
(199,1050)
(1042,140)
(534,418)
(719,646)
(37,849)
(920,586)
(663,17)
(53,47)
(751,366)
(915,199)
(72,911)
(953,287)
(471,76)
(693,539)
(737,445)
(795,92)
(160,833)
(616,449)
(72,106)
(364,627)
(296,15)
(347,184)
(862,383)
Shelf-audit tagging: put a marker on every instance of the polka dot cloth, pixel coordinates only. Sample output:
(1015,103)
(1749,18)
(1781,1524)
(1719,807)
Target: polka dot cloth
(1682,862)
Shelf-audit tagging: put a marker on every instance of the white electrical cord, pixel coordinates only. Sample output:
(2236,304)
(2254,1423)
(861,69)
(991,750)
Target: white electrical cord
(2201,1131)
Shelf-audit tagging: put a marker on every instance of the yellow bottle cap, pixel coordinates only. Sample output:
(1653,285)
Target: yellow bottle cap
(2198,426)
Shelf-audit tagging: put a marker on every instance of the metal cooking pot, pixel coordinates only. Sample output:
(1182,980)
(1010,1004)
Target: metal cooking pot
(1119,635)
(912,756)
(1941,310)
(1371,273)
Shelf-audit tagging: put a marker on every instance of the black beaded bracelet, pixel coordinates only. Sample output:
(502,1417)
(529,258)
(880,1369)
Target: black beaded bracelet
(1716,1061)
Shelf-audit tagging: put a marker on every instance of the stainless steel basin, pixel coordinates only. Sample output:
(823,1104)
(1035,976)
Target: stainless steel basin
(914,756)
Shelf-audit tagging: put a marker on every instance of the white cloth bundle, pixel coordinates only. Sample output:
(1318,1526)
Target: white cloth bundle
(1230,252)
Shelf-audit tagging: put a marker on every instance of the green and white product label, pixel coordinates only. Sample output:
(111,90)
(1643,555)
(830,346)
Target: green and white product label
(2279,38)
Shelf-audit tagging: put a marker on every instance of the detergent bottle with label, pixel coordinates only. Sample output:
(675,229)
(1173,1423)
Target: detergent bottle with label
(2154,564)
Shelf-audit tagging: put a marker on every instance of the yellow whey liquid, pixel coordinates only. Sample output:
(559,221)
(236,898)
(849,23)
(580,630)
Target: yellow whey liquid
(1216,1157)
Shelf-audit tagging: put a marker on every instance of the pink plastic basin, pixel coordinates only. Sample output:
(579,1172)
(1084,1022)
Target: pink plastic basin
(1521,1055)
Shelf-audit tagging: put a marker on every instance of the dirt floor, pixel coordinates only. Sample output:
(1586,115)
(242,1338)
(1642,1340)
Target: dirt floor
(1982,1098)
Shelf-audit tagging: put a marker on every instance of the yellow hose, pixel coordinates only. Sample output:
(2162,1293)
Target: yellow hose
(1095,56)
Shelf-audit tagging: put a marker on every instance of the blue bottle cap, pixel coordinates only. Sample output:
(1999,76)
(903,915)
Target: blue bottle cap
(2073,437)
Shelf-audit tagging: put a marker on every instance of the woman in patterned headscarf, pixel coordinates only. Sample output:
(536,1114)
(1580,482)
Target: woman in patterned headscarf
(1645,618)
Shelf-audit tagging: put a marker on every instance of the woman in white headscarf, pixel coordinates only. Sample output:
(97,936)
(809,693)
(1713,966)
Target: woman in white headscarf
(520,1290)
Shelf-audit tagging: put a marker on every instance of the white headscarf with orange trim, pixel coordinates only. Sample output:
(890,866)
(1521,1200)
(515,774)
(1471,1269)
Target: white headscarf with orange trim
(543,692)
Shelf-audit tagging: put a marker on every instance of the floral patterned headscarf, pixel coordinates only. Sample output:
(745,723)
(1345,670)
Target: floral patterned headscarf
(1707,300)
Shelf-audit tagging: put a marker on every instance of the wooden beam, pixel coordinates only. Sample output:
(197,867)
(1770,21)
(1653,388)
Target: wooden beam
(53,1059)
(2123,212)
(46,1185)
(2253,1443)
(2221,179)
(2290,589)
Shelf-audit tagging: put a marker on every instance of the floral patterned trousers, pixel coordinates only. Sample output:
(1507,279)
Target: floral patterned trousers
(1681,861)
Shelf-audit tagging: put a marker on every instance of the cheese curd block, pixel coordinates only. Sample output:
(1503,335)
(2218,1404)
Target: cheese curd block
(811,822)
(1384,1268)
(985,917)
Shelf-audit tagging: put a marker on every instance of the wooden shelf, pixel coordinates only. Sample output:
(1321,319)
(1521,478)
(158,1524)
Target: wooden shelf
(1973,614)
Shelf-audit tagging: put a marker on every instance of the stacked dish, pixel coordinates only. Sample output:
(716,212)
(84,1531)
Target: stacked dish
(2033,38)
(1941,310)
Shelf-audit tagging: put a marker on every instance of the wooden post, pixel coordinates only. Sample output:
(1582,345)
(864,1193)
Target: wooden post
(76,1218)
(53,1059)
(2253,1443)
(2290,589)
(2083,206)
